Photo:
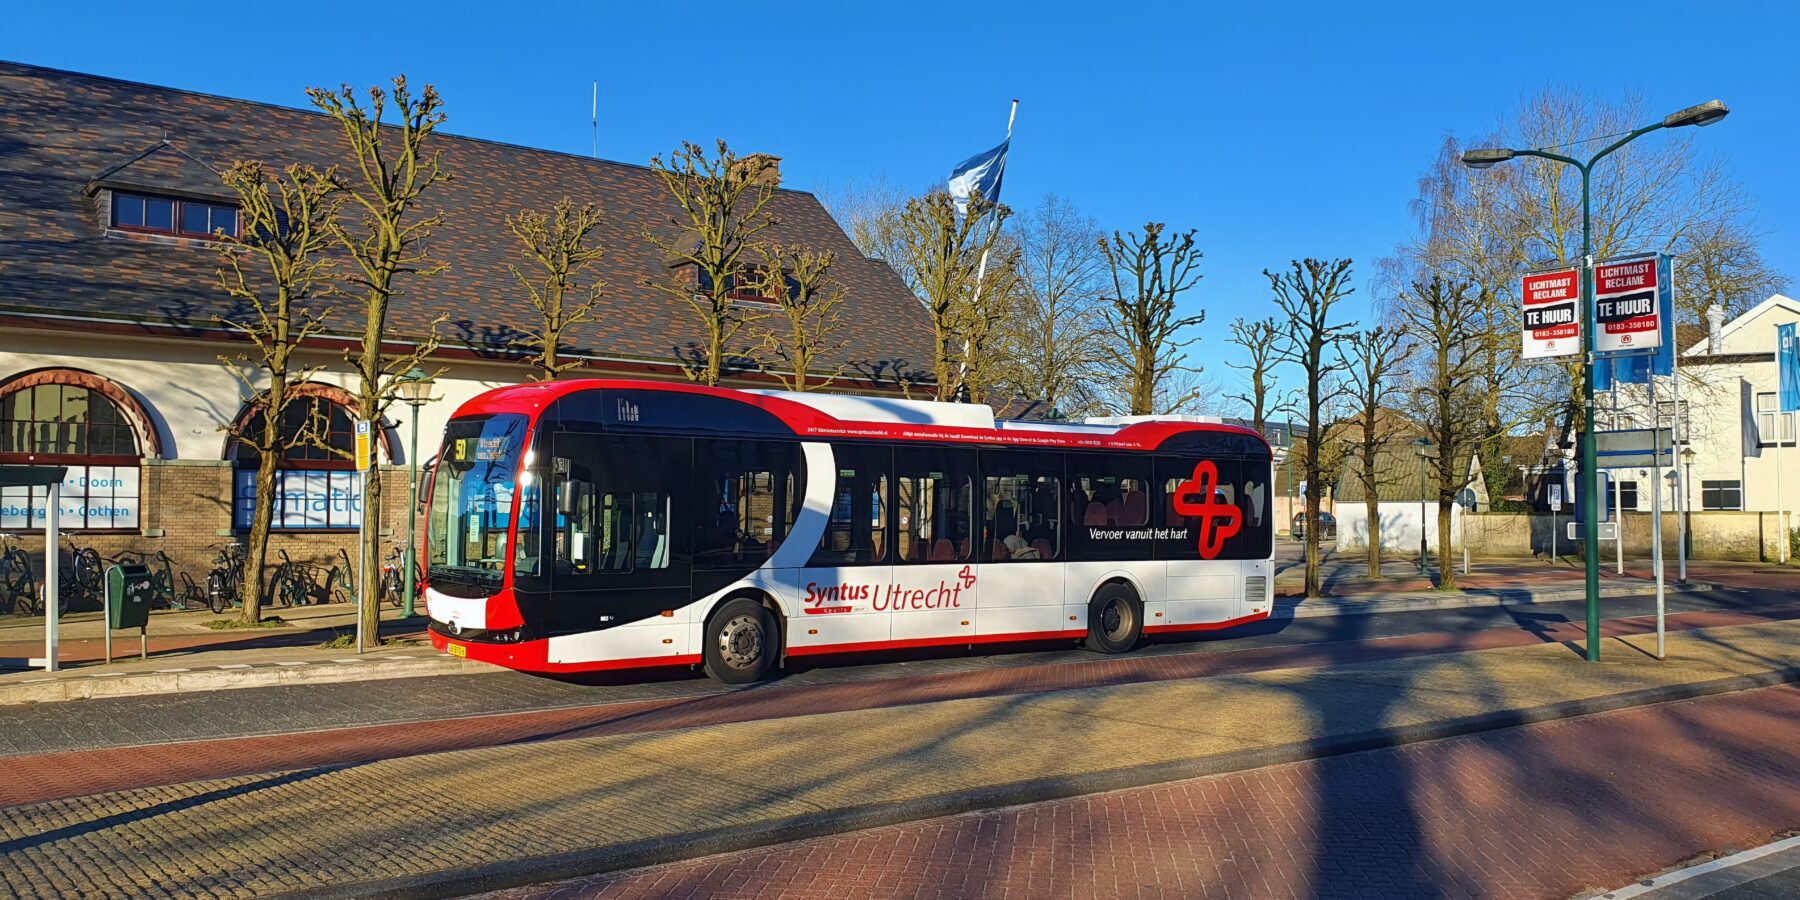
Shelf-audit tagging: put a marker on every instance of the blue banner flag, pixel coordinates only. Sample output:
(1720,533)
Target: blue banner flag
(1787,360)
(981,172)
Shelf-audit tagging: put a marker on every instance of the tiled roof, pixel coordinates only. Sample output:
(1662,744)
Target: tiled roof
(63,135)
(1396,475)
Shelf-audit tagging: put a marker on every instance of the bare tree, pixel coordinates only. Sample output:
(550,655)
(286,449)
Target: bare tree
(722,204)
(560,247)
(1258,338)
(1148,275)
(1307,293)
(276,267)
(383,233)
(1372,360)
(1053,336)
(869,212)
(1444,320)
(810,304)
(944,250)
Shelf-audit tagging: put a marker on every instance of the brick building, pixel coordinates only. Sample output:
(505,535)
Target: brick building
(110,331)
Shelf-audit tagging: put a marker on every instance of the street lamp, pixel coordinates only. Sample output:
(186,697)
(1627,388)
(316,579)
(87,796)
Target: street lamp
(1704,114)
(415,390)
(1422,446)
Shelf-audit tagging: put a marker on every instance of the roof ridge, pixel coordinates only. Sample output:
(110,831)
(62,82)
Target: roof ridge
(450,135)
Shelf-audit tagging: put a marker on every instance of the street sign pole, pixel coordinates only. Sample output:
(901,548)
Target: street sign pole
(52,578)
(363,438)
(1656,552)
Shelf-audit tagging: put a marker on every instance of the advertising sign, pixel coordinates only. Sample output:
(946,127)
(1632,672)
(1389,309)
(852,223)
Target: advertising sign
(1629,296)
(1552,314)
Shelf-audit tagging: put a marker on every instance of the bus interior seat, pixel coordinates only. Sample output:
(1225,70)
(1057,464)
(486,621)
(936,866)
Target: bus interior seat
(942,551)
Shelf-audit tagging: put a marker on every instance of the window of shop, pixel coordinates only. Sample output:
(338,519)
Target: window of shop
(316,485)
(81,428)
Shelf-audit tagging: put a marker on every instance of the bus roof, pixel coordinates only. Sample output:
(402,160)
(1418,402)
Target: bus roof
(827,416)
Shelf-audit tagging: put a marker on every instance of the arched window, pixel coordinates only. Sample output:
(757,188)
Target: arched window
(65,417)
(317,486)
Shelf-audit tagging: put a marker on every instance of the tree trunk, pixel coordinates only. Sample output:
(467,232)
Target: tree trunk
(1447,576)
(257,551)
(370,591)
(1373,505)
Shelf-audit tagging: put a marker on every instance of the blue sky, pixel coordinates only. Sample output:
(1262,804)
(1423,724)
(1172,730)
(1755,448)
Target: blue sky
(1276,130)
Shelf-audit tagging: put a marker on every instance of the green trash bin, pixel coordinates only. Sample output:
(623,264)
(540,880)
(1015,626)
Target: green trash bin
(129,589)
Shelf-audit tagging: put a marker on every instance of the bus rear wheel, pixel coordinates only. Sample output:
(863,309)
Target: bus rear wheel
(1115,619)
(742,642)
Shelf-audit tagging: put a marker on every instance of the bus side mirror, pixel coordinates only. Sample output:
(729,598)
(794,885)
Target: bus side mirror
(569,495)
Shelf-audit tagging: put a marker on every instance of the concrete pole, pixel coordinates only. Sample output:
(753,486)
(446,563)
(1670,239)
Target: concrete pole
(1656,554)
(52,575)
(1619,520)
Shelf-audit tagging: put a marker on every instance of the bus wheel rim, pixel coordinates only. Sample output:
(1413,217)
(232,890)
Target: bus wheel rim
(740,642)
(1113,619)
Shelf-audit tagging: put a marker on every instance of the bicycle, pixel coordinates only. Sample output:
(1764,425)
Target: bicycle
(19,591)
(392,589)
(88,581)
(162,577)
(225,583)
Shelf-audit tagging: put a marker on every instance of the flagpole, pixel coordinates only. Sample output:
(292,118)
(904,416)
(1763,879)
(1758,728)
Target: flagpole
(981,267)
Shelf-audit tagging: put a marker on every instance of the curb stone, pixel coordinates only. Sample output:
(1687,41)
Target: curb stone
(52,689)
(1300,608)
(731,839)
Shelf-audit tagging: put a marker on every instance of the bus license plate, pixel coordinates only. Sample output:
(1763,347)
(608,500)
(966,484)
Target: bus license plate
(457,650)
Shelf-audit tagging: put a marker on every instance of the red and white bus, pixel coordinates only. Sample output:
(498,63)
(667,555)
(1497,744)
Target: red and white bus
(605,524)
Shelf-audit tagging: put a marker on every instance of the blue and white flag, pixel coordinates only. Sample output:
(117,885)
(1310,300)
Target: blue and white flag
(1787,361)
(981,172)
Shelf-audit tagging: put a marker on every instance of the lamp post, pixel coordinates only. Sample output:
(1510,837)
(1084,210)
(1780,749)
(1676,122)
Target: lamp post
(1420,446)
(1704,114)
(1687,504)
(415,390)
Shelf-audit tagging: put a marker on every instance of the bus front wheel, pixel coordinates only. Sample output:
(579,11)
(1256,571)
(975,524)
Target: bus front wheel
(1115,619)
(742,642)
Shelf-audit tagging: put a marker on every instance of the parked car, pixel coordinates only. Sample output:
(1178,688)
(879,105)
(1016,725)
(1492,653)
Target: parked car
(1327,527)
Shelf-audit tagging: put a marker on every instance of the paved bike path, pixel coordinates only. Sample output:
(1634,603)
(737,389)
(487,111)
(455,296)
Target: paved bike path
(517,813)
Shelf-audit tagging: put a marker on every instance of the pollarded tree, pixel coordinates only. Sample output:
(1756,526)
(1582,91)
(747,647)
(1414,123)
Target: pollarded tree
(1372,360)
(1148,273)
(944,251)
(383,233)
(559,248)
(810,303)
(1258,338)
(722,204)
(1307,293)
(276,267)
(1445,322)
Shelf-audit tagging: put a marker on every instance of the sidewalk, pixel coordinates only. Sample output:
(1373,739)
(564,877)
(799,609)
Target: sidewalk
(554,808)
(186,655)
(1346,575)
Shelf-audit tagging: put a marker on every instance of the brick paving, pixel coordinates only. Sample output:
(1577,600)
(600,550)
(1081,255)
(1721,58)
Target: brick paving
(82,765)
(423,815)
(1542,811)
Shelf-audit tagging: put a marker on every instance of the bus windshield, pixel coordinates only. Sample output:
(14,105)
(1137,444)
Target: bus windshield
(472,501)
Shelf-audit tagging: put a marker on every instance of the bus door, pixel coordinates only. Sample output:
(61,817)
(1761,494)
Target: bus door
(935,537)
(840,595)
(620,564)
(1021,544)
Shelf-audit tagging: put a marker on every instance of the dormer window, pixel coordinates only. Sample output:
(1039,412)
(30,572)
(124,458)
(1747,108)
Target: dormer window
(746,287)
(171,215)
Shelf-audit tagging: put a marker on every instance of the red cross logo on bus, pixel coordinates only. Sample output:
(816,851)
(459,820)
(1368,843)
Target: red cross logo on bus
(1219,519)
